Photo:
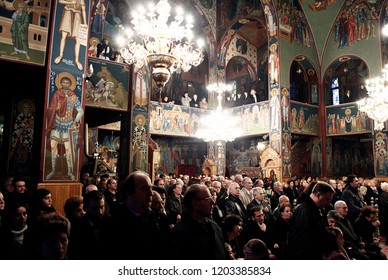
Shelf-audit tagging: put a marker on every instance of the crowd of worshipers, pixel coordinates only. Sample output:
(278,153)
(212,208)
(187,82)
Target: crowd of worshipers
(198,218)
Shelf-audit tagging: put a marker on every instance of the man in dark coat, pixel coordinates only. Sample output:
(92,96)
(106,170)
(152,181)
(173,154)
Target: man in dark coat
(196,236)
(307,230)
(352,198)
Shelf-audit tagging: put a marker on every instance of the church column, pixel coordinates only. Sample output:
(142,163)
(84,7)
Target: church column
(275,131)
(62,135)
(142,87)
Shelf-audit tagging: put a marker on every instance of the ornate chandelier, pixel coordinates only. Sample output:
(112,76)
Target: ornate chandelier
(376,104)
(219,125)
(161,42)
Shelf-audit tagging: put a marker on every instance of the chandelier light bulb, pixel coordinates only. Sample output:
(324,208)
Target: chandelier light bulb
(376,104)
(160,40)
(219,124)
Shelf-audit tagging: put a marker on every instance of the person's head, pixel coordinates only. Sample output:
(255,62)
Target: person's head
(137,192)
(277,186)
(333,217)
(198,202)
(74,207)
(162,192)
(91,187)
(232,226)
(51,236)
(247,183)
(285,211)
(234,189)
(65,83)
(8,187)
(2,203)
(363,190)
(257,214)
(352,181)
(159,182)
(259,183)
(94,204)
(90,180)
(103,182)
(334,239)
(283,199)
(112,185)
(238,179)
(369,213)
(16,215)
(256,249)
(177,189)
(341,207)
(258,194)
(41,200)
(333,183)
(322,194)
(186,179)
(157,202)
(84,176)
(217,186)
(384,186)
(213,193)
(19,185)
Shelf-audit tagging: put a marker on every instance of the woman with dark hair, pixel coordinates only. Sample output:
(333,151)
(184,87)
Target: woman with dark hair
(334,249)
(13,231)
(280,229)
(232,228)
(41,202)
(50,237)
(365,226)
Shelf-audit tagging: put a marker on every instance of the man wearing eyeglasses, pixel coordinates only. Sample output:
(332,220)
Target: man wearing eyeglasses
(197,236)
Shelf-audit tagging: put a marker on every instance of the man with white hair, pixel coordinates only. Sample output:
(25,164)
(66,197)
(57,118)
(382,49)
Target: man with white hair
(353,244)
(245,192)
(233,204)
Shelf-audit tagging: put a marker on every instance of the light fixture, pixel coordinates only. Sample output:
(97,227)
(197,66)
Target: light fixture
(376,104)
(384,30)
(261,146)
(219,124)
(163,43)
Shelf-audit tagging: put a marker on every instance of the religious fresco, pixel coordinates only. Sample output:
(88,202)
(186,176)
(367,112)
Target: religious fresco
(381,155)
(357,22)
(304,118)
(346,119)
(25,30)
(69,52)
(350,157)
(178,120)
(316,157)
(22,137)
(230,11)
(254,118)
(63,122)
(64,109)
(293,24)
(106,17)
(170,119)
(108,145)
(139,145)
(180,152)
(107,85)
(241,153)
